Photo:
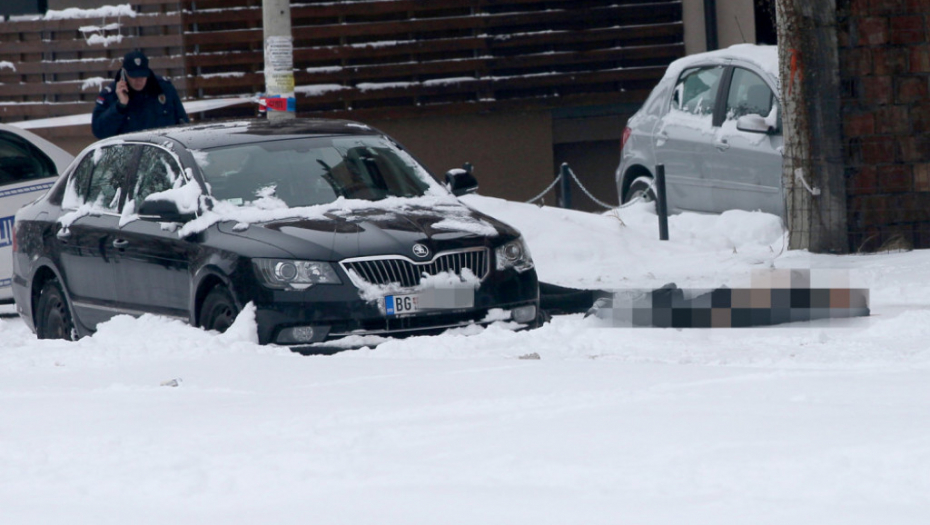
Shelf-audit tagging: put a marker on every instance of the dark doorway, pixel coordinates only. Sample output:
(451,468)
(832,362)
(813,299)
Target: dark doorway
(594,163)
(23,7)
(765,22)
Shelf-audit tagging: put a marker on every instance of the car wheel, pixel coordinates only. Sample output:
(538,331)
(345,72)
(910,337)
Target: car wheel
(219,310)
(53,319)
(641,186)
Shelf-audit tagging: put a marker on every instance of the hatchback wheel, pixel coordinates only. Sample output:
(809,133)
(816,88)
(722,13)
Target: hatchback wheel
(640,187)
(53,320)
(218,311)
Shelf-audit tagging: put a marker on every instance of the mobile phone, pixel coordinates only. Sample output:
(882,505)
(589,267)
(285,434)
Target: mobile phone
(122,73)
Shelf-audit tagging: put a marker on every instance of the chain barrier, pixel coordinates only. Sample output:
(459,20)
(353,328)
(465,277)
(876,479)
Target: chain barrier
(545,191)
(641,196)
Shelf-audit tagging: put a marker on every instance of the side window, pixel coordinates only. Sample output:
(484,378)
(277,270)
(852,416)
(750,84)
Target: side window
(158,171)
(20,160)
(98,178)
(696,90)
(748,94)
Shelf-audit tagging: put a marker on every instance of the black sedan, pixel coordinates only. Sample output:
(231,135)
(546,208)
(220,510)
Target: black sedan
(330,228)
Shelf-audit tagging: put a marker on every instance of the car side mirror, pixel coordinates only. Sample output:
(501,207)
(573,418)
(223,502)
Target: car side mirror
(461,182)
(161,210)
(754,124)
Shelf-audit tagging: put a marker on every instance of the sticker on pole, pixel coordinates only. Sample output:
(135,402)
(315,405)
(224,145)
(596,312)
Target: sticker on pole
(275,103)
(279,65)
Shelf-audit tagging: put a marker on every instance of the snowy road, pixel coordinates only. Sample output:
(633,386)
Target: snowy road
(827,422)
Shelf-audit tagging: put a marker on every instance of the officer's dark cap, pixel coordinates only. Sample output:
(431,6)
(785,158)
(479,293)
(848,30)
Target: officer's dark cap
(136,64)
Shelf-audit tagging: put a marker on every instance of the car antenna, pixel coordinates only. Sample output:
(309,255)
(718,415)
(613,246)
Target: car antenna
(738,26)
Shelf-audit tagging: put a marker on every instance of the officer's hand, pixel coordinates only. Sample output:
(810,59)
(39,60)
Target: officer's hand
(122,92)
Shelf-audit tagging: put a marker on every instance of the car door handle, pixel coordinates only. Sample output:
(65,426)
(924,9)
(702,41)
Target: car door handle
(120,243)
(661,137)
(722,145)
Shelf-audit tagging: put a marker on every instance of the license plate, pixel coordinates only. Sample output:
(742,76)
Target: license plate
(432,299)
(401,304)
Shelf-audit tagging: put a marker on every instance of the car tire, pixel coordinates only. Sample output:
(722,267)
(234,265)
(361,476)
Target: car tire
(53,314)
(218,311)
(641,185)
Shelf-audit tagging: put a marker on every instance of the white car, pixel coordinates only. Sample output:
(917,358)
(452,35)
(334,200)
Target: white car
(29,165)
(714,122)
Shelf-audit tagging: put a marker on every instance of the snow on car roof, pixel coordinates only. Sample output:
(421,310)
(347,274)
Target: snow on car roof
(764,57)
(202,136)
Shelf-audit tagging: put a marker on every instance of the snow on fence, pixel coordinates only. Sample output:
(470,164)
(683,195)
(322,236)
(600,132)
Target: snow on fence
(388,59)
(58,59)
(405,57)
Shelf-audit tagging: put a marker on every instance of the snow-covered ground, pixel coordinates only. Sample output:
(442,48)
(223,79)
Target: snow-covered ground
(819,423)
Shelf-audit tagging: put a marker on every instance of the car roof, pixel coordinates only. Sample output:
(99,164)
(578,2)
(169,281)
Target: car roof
(762,56)
(219,134)
(60,157)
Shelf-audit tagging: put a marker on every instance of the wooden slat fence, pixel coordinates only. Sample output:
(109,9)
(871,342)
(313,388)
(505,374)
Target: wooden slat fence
(55,66)
(358,57)
(396,58)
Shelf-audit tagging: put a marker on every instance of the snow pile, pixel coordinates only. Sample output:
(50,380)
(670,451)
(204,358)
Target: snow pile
(623,249)
(108,11)
(93,83)
(318,89)
(103,40)
(153,421)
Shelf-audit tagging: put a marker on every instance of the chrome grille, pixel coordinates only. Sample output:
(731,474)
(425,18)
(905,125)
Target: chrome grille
(398,269)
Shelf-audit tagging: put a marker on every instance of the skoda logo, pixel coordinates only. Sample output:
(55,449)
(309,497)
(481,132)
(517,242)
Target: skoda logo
(420,251)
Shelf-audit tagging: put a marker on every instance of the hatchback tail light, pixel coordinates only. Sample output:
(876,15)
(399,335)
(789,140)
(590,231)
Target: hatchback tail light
(623,139)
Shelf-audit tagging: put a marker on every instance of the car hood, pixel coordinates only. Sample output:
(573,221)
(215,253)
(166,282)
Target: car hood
(341,234)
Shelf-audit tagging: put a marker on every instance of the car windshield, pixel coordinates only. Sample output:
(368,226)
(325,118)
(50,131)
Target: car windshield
(313,170)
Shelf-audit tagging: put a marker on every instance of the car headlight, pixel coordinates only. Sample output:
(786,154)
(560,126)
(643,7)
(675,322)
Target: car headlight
(288,274)
(514,255)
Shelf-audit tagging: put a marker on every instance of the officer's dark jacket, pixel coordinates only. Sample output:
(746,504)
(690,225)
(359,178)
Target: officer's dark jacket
(156,106)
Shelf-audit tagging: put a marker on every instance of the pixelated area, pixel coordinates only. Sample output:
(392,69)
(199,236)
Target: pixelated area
(773,297)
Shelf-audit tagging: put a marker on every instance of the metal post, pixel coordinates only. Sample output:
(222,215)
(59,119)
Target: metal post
(661,203)
(565,187)
(279,59)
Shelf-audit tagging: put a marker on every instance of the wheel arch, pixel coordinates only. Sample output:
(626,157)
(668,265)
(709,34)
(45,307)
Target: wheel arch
(207,282)
(43,274)
(631,174)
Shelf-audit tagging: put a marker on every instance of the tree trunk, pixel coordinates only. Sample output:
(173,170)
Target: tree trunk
(812,171)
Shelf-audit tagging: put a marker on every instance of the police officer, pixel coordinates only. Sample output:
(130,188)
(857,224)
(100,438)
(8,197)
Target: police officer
(136,100)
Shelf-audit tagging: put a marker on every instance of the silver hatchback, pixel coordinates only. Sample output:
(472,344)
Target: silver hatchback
(714,122)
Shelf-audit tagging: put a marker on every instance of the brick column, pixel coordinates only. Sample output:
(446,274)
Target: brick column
(885,76)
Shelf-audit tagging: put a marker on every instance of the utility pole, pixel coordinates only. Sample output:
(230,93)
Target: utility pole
(812,169)
(279,59)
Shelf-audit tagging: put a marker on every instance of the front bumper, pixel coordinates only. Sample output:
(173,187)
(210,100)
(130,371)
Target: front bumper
(328,312)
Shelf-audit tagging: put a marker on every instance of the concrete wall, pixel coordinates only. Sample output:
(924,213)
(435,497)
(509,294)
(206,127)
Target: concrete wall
(511,154)
(735,24)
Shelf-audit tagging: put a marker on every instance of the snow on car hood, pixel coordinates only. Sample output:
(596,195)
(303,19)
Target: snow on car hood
(438,213)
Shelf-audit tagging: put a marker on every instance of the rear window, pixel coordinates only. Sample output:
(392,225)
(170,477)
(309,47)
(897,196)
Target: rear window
(21,161)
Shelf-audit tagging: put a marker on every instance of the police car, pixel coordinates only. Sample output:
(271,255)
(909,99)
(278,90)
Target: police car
(29,165)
